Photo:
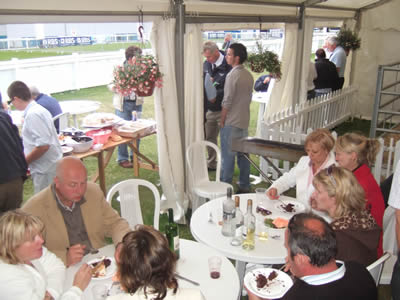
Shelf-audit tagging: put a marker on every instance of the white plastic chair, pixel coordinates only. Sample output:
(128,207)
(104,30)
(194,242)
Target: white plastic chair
(197,165)
(130,203)
(63,120)
(375,269)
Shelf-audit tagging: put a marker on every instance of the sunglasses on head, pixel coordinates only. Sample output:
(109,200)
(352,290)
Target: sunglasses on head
(329,173)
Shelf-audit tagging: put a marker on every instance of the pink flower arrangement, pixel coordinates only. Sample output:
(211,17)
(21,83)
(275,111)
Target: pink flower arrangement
(139,75)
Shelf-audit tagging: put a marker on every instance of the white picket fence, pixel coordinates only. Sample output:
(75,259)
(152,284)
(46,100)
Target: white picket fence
(326,111)
(385,162)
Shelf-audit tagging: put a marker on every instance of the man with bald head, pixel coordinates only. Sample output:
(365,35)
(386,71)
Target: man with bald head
(311,250)
(76,215)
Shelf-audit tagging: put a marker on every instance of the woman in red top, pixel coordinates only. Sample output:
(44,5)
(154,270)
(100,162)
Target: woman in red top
(356,153)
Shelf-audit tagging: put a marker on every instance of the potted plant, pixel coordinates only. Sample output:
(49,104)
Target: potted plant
(140,76)
(348,39)
(264,60)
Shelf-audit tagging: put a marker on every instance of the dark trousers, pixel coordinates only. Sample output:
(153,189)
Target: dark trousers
(11,194)
(340,82)
(395,282)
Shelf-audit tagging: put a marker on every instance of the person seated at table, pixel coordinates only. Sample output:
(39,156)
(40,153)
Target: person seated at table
(312,247)
(76,214)
(29,270)
(338,193)
(146,268)
(262,83)
(356,153)
(318,146)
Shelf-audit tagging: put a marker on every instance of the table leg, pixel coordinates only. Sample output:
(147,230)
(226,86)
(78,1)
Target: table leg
(102,177)
(135,158)
(240,269)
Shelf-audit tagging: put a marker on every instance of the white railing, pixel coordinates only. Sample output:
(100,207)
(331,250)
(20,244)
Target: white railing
(326,111)
(386,159)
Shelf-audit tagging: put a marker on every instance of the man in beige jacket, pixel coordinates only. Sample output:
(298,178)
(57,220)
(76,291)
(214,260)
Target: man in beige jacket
(76,215)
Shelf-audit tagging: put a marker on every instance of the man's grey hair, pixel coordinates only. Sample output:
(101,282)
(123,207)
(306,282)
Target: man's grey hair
(34,91)
(332,40)
(210,46)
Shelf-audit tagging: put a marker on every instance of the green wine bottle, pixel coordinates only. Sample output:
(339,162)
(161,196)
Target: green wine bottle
(172,233)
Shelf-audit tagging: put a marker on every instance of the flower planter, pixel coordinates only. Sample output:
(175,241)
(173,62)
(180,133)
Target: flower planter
(147,92)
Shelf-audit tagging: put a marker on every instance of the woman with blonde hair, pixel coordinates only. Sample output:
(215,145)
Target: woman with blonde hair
(28,270)
(146,268)
(357,153)
(338,193)
(318,145)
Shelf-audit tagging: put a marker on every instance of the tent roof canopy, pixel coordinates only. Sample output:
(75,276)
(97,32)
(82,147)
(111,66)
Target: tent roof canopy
(43,11)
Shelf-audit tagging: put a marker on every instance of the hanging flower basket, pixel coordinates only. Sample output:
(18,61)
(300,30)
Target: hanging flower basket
(264,60)
(348,39)
(140,76)
(148,91)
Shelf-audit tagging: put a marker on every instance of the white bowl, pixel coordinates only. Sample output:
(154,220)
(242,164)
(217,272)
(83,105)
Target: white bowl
(80,144)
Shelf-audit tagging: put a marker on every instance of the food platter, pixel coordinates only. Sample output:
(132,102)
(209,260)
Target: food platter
(100,120)
(274,288)
(296,207)
(110,270)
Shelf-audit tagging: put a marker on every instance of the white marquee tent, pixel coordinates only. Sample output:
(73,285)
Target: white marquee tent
(177,41)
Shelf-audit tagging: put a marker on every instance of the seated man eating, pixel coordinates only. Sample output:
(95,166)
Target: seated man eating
(75,213)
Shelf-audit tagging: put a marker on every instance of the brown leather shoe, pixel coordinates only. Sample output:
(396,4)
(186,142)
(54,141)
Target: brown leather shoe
(125,164)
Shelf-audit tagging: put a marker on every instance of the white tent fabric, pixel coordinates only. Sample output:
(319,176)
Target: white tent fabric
(380,41)
(282,94)
(194,129)
(170,155)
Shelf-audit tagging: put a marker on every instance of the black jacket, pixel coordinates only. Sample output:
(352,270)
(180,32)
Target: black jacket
(12,158)
(327,74)
(219,75)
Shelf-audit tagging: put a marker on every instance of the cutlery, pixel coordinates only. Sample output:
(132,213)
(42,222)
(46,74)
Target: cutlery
(111,286)
(93,250)
(186,279)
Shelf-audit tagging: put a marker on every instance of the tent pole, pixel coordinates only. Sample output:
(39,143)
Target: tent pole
(179,73)
(299,60)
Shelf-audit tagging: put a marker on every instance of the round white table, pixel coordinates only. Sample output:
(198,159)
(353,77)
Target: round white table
(77,107)
(271,251)
(193,264)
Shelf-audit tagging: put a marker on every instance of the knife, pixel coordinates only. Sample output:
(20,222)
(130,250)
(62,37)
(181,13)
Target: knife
(186,279)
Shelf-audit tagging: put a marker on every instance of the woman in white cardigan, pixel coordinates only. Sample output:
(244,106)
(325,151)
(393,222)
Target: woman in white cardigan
(28,270)
(146,268)
(318,145)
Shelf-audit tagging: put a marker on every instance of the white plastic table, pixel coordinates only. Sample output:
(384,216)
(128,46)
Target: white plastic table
(271,251)
(193,264)
(77,107)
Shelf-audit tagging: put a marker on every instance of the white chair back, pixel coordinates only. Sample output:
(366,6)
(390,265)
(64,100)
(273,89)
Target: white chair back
(63,120)
(128,191)
(196,157)
(375,269)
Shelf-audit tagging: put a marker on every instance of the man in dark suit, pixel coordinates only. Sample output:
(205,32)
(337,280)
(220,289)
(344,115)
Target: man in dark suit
(215,70)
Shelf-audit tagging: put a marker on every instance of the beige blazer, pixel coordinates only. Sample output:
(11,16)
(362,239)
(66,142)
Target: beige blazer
(100,219)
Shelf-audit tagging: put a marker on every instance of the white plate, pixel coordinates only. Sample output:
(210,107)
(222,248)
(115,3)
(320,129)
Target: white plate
(66,150)
(110,270)
(297,208)
(275,289)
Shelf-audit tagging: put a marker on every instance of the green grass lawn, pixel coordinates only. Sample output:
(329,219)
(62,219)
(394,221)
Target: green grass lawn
(42,52)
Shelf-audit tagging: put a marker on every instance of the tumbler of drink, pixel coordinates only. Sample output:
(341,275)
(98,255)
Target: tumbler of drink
(99,292)
(214,264)
(261,196)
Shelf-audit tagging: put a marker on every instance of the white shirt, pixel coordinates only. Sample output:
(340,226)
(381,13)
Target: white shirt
(38,130)
(219,60)
(24,282)
(327,277)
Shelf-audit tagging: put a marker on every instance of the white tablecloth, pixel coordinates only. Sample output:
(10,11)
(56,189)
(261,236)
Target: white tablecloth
(193,264)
